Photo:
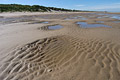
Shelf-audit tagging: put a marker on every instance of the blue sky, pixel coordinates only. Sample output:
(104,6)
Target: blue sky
(97,5)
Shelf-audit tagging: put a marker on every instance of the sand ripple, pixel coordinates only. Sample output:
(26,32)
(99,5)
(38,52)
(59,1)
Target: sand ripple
(96,59)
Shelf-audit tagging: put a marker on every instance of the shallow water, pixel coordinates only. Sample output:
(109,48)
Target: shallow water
(116,21)
(82,18)
(114,16)
(100,21)
(55,27)
(44,22)
(103,17)
(70,18)
(85,25)
(78,17)
(6,19)
(14,20)
(99,17)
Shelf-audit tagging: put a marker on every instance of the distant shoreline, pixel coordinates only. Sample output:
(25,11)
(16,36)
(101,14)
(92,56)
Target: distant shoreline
(15,14)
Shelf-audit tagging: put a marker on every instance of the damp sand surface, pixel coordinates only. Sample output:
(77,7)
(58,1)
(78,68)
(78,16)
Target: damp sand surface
(67,52)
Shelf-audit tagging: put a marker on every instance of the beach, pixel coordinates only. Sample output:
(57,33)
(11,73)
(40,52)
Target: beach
(52,46)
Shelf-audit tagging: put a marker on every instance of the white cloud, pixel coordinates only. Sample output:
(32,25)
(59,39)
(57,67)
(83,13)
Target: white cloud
(79,5)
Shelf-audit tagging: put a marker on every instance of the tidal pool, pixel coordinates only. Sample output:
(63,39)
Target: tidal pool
(82,18)
(116,21)
(14,20)
(78,17)
(54,27)
(100,21)
(39,22)
(114,16)
(86,25)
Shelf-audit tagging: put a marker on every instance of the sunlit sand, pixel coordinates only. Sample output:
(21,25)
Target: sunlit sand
(33,50)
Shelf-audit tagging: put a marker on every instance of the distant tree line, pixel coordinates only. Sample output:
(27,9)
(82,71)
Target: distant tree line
(28,8)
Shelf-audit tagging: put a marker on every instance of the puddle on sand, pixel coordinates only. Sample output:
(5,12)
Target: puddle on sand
(85,25)
(54,27)
(70,18)
(44,22)
(4,21)
(114,16)
(82,18)
(99,17)
(116,21)
(78,17)
(100,21)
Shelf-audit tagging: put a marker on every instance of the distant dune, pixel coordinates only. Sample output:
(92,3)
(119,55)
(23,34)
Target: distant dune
(33,8)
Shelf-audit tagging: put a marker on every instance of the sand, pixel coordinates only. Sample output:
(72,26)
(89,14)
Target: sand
(31,51)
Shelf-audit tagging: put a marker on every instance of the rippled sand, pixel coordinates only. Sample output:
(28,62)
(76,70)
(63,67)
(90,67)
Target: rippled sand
(33,52)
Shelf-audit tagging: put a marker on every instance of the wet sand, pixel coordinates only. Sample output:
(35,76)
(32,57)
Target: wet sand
(30,50)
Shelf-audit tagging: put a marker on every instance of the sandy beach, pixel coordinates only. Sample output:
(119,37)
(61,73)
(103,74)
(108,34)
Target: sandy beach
(31,50)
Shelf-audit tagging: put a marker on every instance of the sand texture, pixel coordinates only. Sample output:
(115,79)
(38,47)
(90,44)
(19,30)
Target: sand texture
(31,51)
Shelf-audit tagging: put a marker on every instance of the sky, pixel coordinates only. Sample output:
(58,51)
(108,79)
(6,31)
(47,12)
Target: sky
(91,5)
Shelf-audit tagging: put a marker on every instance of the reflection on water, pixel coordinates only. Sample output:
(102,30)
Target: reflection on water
(82,18)
(45,22)
(85,25)
(116,21)
(55,27)
(100,21)
(114,16)
(15,20)
(39,22)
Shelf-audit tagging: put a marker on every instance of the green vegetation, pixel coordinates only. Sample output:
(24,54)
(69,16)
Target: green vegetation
(28,8)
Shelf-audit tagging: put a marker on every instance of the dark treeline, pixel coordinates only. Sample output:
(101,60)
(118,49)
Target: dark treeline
(33,8)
